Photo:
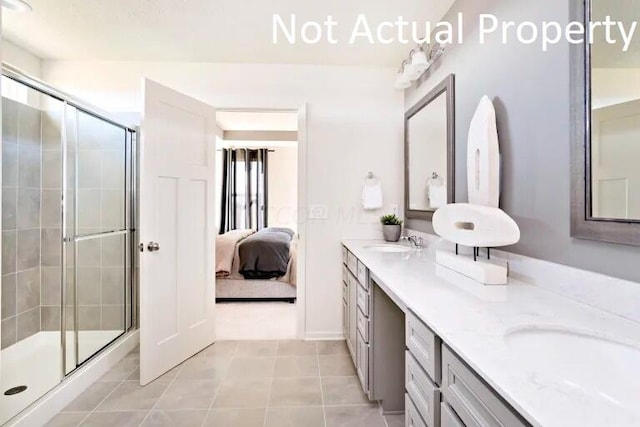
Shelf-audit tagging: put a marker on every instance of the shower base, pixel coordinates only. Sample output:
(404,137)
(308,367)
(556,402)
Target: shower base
(35,363)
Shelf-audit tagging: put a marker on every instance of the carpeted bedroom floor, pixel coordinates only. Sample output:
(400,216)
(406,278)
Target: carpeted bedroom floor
(256,321)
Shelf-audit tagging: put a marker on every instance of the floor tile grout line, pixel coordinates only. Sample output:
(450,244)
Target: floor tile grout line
(180,367)
(324,412)
(273,374)
(384,419)
(111,392)
(234,354)
(213,399)
(230,408)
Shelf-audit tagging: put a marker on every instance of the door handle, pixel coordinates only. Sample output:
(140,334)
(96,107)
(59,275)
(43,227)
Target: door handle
(153,247)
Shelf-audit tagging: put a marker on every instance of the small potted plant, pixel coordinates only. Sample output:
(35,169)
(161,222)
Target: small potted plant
(391,228)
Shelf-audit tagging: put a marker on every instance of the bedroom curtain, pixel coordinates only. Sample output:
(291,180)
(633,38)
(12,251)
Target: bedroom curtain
(244,189)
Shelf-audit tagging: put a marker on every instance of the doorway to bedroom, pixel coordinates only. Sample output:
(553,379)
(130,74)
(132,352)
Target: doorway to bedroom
(256,212)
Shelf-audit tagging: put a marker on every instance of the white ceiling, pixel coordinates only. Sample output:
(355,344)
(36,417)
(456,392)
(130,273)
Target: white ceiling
(206,30)
(257,121)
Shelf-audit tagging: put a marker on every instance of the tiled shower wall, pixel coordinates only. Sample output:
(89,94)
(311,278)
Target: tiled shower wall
(21,209)
(51,221)
(101,261)
(31,223)
(100,280)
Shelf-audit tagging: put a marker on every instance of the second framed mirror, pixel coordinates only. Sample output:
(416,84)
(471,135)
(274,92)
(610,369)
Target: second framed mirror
(430,152)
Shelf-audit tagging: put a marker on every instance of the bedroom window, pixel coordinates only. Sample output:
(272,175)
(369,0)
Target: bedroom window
(244,189)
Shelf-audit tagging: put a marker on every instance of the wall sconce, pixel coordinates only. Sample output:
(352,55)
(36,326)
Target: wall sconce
(420,59)
(402,78)
(418,63)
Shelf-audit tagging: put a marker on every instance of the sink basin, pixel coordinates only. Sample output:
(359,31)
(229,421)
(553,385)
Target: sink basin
(388,248)
(597,369)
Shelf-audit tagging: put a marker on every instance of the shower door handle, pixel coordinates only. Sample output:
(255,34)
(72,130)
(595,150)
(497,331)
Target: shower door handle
(153,247)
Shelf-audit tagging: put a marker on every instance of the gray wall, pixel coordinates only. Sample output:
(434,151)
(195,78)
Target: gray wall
(531,92)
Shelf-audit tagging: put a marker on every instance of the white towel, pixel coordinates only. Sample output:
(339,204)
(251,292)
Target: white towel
(372,195)
(437,195)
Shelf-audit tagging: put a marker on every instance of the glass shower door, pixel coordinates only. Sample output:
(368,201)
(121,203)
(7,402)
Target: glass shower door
(30,356)
(97,232)
(65,277)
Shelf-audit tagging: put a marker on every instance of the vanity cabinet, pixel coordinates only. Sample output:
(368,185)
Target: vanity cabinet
(425,346)
(448,418)
(345,308)
(472,402)
(359,306)
(350,285)
(422,371)
(443,391)
(403,364)
(375,336)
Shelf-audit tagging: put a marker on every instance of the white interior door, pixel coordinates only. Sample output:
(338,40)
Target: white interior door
(177,281)
(615,152)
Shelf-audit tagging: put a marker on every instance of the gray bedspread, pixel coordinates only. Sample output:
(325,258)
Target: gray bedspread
(265,254)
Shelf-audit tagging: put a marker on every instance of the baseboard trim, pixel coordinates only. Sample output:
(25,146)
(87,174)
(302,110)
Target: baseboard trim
(45,408)
(232,300)
(324,336)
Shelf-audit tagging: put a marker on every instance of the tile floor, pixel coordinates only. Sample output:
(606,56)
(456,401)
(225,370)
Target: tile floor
(256,321)
(236,384)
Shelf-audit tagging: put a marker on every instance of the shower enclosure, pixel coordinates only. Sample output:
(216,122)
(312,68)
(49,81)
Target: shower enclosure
(67,224)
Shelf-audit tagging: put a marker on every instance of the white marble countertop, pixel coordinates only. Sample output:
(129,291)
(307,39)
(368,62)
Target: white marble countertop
(474,320)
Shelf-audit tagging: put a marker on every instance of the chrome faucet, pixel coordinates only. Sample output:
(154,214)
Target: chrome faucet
(416,242)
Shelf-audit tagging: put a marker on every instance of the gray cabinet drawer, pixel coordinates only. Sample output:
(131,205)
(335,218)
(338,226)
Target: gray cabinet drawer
(448,417)
(345,319)
(352,263)
(476,404)
(424,346)
(345,291)
(353,314)
(363,300)
(362,275)
(424,394)
(363,326)
(411,415)
(362,367)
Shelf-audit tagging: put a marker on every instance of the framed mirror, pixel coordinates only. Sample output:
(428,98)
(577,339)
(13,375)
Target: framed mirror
(430,152)
(606,130)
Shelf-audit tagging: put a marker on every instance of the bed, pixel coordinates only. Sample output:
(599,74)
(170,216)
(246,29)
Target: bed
(256,266)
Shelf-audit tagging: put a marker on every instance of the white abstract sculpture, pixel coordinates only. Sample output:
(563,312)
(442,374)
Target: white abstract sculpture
(475,226)
(483,157)
(479,223)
